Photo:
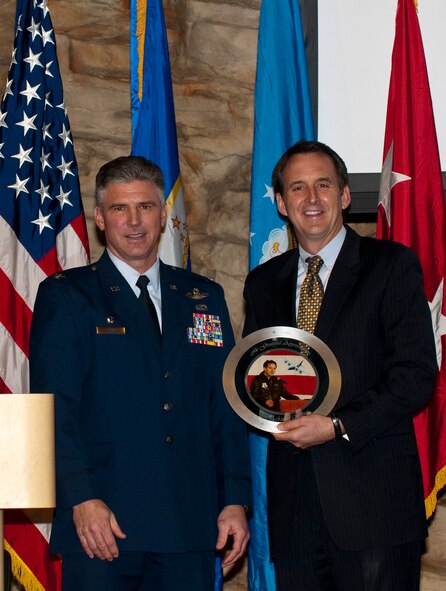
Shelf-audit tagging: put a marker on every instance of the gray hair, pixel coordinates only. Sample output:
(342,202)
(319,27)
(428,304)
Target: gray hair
(126,169)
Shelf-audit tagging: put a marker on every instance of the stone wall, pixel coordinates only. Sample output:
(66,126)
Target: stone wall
(213,53)
(213,47)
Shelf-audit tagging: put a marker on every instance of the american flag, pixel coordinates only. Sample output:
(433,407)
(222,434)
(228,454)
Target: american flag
(42,226)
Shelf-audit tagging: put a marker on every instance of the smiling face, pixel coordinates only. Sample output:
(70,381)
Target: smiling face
(132,216)
(312,199)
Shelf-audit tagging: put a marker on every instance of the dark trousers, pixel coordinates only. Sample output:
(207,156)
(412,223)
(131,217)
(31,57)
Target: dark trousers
(316,563)
(139,571)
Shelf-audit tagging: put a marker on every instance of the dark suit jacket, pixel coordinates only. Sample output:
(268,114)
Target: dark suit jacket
(143,427)
(376,320)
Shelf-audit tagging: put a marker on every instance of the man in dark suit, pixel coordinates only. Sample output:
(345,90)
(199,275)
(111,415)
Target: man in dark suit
(151,462)
(345,498)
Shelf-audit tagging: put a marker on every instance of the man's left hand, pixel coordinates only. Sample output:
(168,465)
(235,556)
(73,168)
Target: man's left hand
(232,523)
(306,431)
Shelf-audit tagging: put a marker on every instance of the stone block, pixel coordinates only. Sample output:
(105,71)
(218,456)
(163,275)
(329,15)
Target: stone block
(98,108)
(100,19)
(7,15)
(230,218)
(226,257)
(223,51)
(234,298)
(228,13)
(100,58)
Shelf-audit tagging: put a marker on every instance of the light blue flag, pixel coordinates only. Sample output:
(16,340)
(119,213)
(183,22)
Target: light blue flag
(154,134)
(283,116)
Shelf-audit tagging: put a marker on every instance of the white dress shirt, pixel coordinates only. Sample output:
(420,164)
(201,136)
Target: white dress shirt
(131,275)
(329,254)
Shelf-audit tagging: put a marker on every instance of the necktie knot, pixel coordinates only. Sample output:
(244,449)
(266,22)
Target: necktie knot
(314,264)
(143,282)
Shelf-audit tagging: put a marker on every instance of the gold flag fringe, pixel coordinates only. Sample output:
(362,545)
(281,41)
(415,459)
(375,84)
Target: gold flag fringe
(21,572)
(431,501)
(141,10)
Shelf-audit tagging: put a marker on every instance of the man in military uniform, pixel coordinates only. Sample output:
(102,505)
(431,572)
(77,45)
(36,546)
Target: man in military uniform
(151,462)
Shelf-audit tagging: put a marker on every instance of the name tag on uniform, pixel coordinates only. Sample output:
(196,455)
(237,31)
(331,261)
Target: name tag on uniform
(110,330)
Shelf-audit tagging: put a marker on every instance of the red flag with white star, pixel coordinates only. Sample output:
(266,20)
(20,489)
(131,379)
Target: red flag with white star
(411,210)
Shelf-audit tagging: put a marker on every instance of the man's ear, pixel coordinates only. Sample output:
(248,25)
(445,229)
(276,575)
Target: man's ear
(346,198)
(281,205)
(99,218)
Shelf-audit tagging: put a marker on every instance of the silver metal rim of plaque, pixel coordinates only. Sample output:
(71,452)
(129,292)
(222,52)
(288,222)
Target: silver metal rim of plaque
(303,353)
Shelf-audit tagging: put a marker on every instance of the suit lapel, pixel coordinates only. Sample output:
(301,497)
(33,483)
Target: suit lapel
(342,279)
(123,302)
(285,295)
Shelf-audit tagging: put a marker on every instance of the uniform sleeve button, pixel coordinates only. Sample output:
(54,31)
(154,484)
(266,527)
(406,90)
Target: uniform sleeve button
(167,374)
(169,439)
(167,406)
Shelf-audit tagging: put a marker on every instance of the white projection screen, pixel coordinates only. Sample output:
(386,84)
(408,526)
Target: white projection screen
(354,51)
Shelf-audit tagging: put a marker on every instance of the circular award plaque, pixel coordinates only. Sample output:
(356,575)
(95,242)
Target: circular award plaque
(275,372)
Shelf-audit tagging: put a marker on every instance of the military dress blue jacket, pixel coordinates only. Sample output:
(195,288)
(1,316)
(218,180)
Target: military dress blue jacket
(141,424)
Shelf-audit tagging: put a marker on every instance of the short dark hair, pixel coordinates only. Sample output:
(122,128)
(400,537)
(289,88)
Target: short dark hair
(268,362)
(126,169)
(306,147)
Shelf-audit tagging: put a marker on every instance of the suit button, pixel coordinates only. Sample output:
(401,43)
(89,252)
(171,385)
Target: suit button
(169,439)
(167,406)
(167,374)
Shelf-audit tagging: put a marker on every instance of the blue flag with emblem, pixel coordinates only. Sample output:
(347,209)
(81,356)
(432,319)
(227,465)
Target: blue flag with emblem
(154,133)
(283,116)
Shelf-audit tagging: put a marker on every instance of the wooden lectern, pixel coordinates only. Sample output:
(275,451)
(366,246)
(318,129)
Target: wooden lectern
(27,462)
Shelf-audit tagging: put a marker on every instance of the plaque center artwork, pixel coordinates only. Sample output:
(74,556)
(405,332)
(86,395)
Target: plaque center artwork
(281,381)
(276,373)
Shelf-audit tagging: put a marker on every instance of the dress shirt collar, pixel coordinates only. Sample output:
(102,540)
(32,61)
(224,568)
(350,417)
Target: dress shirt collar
(329,253)
(131,275)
